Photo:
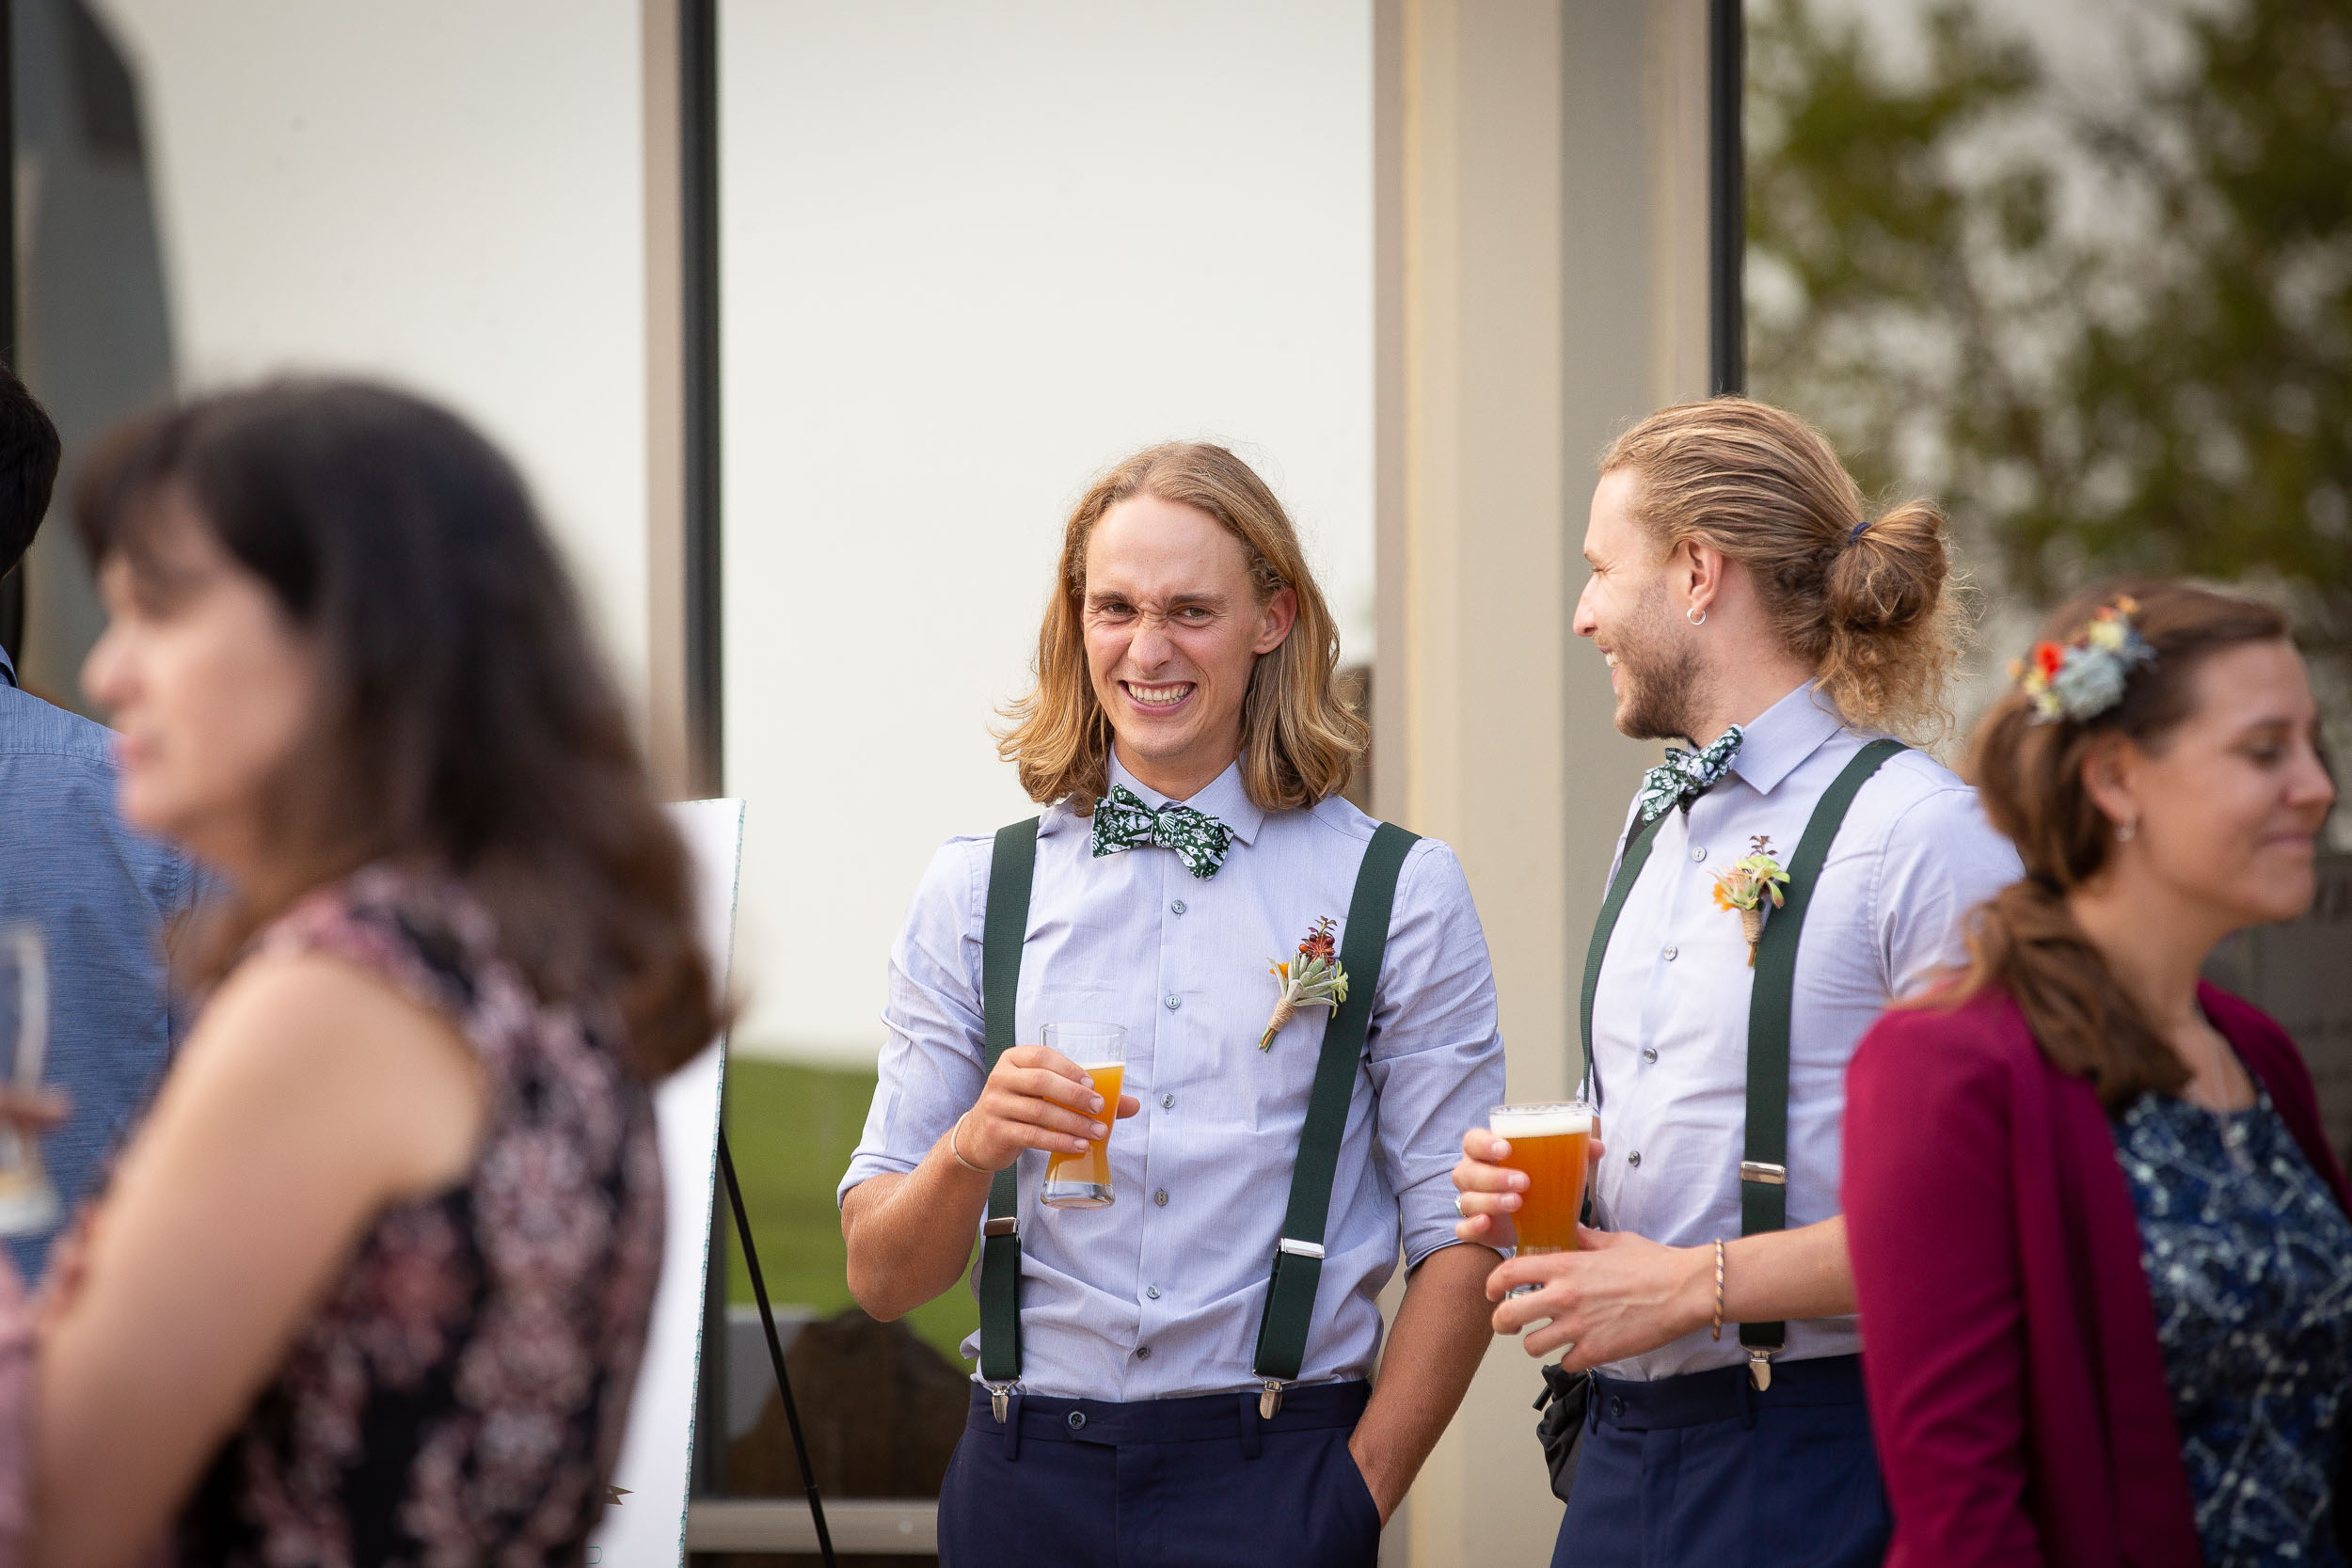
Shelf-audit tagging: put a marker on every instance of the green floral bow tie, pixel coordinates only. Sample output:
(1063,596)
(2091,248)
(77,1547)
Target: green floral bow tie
(1122,821)
(1684,777)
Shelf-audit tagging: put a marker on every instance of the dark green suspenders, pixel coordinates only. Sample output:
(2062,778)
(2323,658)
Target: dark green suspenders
(1298,1252)
(1771,998)
(1298,1255)
(1004,926)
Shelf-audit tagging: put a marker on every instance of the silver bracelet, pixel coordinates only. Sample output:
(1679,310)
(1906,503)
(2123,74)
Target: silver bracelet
(976,1170)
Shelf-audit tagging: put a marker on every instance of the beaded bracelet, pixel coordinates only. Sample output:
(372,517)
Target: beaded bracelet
(1719,1287)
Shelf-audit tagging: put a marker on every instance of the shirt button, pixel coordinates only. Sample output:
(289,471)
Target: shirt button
(1143,1352)
(1668,952)
(1168,1102)
(1160,1198)
(1177,907)
(1634,1159)
(1151,1290)
(1077,1419)
(1174,1002)
(1698,852)
(1649,1052)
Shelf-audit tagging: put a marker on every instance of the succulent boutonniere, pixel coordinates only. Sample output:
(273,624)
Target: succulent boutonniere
(1745,883)
(1311,978)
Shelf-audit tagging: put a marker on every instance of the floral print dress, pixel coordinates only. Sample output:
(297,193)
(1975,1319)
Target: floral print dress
(460,1396)
(2248,1259)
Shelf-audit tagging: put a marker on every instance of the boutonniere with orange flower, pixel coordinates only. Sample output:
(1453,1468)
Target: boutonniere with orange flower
(1311,977)
(1746,883)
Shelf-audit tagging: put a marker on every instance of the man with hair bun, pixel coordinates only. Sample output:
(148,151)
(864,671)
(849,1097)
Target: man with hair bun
(1181,1376)
(1778,883)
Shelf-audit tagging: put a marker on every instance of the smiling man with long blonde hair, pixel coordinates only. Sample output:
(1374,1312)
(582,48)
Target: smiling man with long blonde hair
(1181,1375)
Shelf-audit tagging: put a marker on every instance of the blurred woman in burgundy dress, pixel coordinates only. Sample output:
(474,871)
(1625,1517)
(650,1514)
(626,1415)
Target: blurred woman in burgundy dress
(2099,1240)
(371,1285)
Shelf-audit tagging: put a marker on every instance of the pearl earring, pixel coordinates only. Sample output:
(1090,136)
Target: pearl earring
(2127,830)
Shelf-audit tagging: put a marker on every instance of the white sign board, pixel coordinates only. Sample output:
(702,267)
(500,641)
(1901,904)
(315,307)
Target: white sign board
(647,1527)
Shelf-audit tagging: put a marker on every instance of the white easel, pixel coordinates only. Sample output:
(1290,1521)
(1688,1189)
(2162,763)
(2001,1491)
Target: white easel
(646,1528)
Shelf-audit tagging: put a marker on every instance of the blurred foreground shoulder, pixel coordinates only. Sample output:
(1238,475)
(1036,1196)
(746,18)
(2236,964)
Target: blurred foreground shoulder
(387,1078)
(1921,1065)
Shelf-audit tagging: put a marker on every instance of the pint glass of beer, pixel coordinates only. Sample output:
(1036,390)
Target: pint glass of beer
(1547,1143)
(1083,1180)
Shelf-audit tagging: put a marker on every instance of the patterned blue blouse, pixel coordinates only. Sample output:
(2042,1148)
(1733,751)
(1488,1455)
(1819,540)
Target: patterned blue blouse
(2249,1263)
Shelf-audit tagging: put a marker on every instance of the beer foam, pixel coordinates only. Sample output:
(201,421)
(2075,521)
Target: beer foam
(1538,1121)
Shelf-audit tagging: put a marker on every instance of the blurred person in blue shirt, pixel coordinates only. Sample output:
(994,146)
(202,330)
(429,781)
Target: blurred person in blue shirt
(101,897)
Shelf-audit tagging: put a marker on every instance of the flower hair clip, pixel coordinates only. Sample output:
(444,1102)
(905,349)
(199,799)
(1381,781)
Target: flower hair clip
(2084,677)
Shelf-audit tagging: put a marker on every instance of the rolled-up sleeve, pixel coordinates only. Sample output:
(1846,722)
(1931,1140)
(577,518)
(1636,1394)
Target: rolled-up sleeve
(930,1071)
(1436,1055)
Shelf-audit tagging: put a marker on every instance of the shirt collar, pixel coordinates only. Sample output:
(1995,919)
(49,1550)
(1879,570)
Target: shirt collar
(1784,735)
(1223,798)
(8,668)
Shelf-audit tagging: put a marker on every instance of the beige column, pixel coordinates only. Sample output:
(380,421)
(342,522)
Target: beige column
(1527,314)
(665,406)
(1675,105)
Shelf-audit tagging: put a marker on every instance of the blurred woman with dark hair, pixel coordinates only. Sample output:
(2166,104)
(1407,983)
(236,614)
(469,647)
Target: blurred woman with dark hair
(2100,1242)
(373,1282)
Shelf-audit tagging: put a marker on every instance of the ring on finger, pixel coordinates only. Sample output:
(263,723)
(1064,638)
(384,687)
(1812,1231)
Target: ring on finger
(1459,1213)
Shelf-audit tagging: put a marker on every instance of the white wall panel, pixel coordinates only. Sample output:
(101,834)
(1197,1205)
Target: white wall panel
(971,254)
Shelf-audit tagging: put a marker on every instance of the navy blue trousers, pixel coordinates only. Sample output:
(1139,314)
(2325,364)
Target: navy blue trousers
(1160,1483)
(1702,1471)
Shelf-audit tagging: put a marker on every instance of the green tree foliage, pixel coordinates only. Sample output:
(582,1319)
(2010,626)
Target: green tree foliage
(2108,335)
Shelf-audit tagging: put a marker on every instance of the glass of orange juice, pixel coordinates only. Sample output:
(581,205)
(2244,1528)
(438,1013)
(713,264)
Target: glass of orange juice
(1083,1180)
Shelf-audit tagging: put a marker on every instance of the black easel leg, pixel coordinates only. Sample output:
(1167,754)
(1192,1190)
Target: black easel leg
(775,1351)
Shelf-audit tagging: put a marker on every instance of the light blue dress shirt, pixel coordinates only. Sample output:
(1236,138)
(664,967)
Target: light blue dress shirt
(103,898)
(1159,1294)
(1670,1020)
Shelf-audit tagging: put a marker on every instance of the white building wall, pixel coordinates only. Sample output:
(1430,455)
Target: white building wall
(972,255)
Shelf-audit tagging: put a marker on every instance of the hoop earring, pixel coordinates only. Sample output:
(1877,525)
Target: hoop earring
(1696,616)
(2127,830)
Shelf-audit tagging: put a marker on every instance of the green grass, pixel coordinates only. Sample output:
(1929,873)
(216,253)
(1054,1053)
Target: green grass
(792,1128)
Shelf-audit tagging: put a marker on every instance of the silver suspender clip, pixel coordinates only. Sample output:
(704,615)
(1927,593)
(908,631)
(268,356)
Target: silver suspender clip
(1270,1397)
(1000,1399)
(1765,1174)
(1769,1175)
(1009,1226)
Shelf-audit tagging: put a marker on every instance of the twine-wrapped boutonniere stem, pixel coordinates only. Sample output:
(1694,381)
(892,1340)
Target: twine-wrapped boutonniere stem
(1311,978)
(1746,883)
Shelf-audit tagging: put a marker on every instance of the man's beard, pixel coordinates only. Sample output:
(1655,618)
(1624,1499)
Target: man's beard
(1660,680)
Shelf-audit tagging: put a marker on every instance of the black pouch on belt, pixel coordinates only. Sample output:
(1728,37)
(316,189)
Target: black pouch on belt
(1565,1400)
